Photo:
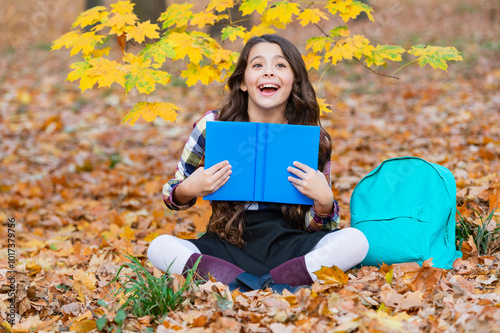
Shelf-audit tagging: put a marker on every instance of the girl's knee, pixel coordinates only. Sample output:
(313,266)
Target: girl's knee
(358,241)
(159,242)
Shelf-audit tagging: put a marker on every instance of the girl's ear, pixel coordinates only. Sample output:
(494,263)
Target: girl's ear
(243,86)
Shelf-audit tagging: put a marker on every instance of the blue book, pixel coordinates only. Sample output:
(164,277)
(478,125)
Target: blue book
(260,154)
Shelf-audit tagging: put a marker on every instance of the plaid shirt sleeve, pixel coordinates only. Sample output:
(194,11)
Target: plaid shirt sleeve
(316,221)
(192,157)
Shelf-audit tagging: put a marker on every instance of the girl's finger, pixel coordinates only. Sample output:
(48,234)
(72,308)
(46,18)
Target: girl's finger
(295,181)
(216,167)
(221,181)
(296,172)
(302,166)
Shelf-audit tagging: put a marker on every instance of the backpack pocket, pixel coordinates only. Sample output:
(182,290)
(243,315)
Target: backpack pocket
(396,238)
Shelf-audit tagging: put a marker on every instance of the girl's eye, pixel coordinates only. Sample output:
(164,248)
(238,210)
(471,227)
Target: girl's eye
(256,65)
(281,65)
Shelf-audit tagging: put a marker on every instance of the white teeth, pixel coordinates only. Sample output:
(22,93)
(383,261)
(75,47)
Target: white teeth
(268,86)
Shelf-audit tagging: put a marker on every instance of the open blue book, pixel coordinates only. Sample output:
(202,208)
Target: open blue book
(260,154)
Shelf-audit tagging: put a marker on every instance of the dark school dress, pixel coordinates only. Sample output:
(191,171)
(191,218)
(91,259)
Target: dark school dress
(269,242)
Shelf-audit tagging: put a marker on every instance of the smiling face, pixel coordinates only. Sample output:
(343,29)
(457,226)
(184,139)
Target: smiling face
(268,81)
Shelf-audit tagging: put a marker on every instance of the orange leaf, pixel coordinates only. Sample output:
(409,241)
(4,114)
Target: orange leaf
(122,40)
(332,275)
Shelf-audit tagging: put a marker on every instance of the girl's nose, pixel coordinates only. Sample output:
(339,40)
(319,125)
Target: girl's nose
(268,74)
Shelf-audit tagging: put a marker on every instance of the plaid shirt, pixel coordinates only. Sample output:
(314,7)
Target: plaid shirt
(193,157)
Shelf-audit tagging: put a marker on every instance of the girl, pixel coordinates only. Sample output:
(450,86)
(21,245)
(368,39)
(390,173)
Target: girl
(252,245)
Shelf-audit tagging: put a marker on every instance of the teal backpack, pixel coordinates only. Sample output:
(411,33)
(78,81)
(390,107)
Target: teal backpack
(406,209)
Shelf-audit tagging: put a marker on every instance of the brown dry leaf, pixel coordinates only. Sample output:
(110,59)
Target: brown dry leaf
(28,325)
(411,300)
(463,267)
(427,278)
(83,326)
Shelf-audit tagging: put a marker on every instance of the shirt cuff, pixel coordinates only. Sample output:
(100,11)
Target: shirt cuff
(331,215)
(169,201)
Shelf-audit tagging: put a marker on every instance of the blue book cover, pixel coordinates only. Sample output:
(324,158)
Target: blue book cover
(260,154)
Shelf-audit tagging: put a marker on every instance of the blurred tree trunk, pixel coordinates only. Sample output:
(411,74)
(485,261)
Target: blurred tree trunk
(149,9)
(92,3)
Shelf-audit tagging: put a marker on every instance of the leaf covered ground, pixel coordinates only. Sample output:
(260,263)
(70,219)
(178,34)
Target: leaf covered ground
(84,189)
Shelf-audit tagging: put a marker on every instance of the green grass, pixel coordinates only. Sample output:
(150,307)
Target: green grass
(483,239)
(146,294)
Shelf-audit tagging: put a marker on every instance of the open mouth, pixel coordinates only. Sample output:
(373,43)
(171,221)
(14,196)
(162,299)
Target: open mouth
(268,88)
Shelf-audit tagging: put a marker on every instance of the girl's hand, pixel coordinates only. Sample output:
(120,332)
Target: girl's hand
(202,182)
(313,184)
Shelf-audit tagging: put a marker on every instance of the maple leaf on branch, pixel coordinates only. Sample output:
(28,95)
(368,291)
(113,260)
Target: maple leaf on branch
(311,15)
(204,74)
(220,5)
(142,30)
(382,52)
(312,60)
(202,19)
(80,71)
(247,7)
(233,32)
(185,47)
(150,111)
(324,107)
(205,60)
(84,42)
(90,17)
(436,56)
(282,11)
(349,9)
(107,72)
(176,14)
(160,50)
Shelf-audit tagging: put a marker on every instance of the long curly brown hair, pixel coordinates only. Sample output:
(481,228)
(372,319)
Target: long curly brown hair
(227,220)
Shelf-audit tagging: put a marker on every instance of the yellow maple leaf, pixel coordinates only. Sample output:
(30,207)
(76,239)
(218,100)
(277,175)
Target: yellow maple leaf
(142,30)
(312,60)
(233,32)
(204,74)
(107,72)
(122,7)
(332,275)
(91,16)
(202,19)
(349,9)
(97,53)
(282,11)
(176,14)
(317,44)
(220,5)
(81,71)
(324,107)
(119,23)
(67,40)
(247,7)
(185,47)
(311,15)
(149,111)
(342,50)
(145,79)
(276,23)
(223,55)
(84,42)
(362,46)
(258,30)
